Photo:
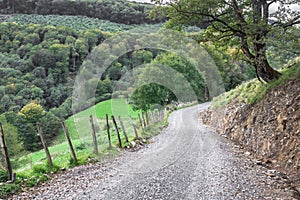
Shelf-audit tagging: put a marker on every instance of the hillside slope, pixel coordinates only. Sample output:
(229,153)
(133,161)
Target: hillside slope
(268,129)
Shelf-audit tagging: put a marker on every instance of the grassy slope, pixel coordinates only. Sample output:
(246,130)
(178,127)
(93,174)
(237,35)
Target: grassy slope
(110,107)
(117,107)
(253,91)
(81,134)
(32,169)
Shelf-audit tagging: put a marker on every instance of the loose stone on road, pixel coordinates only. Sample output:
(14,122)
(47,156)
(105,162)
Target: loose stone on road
(186,161)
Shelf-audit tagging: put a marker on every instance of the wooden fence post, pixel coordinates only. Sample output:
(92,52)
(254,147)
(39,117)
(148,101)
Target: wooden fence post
(44,144)
(141,123)
(108,133)
(94,135)
(140,120)
(117,131)
(147,118)
(157,116)
(69,142)
(6,160)
(144,121)
(123,129)
(135,131)
(152,117)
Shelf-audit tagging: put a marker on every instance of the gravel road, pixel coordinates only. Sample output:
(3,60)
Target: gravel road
(186,161)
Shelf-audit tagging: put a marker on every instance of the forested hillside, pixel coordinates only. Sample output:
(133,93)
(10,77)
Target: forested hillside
(120,11)
(40,61)
(78,23)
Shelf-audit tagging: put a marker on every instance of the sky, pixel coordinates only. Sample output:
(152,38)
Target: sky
(274,7)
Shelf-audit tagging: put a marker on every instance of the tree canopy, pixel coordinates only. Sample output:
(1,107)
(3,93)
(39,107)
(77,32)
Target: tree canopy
(247,24)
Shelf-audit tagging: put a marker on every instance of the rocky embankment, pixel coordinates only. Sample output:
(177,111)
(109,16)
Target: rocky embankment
(269,129)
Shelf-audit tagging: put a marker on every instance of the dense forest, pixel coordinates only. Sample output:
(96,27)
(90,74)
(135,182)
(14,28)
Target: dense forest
(120,11)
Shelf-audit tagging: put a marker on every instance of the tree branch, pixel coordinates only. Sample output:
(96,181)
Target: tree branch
(246,49)
(214,19)
(271,2)
(265,11)
(238,12)
(290,23)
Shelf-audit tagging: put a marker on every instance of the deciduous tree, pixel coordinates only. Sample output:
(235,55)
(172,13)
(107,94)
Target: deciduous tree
(246,23)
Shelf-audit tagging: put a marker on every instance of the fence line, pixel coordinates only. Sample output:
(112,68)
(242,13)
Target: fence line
(117,131)
(145,119)
(94,135)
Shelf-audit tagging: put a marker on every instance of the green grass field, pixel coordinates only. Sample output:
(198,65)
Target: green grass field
(111,107)
(80,132)
(79,125)
(32,168)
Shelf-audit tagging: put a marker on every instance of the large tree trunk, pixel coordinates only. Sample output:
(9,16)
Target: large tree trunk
(261,18)
(259,60)
(264,70)
(261,64)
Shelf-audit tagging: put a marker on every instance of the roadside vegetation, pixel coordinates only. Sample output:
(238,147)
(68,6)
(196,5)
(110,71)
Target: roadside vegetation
(253,91)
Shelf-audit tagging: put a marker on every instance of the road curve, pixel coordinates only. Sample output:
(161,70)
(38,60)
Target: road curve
(186,161)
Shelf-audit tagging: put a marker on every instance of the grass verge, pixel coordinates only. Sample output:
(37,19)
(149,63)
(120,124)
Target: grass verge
(253,91)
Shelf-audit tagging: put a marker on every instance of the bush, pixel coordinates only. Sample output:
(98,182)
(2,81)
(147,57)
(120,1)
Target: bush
(7,189)
(72,162)
(3,176)
(40,169)
(81,146)
(12,141)
(44,168)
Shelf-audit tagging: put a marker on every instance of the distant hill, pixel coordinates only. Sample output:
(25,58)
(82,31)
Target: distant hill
(120,11)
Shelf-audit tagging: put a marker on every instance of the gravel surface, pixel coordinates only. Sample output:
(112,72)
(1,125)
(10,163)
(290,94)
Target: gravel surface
(186,161)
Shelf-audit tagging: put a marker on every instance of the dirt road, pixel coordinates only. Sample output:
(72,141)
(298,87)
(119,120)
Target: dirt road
(186,161)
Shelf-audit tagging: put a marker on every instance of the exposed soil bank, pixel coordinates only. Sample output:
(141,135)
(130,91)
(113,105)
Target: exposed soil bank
(269,129)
